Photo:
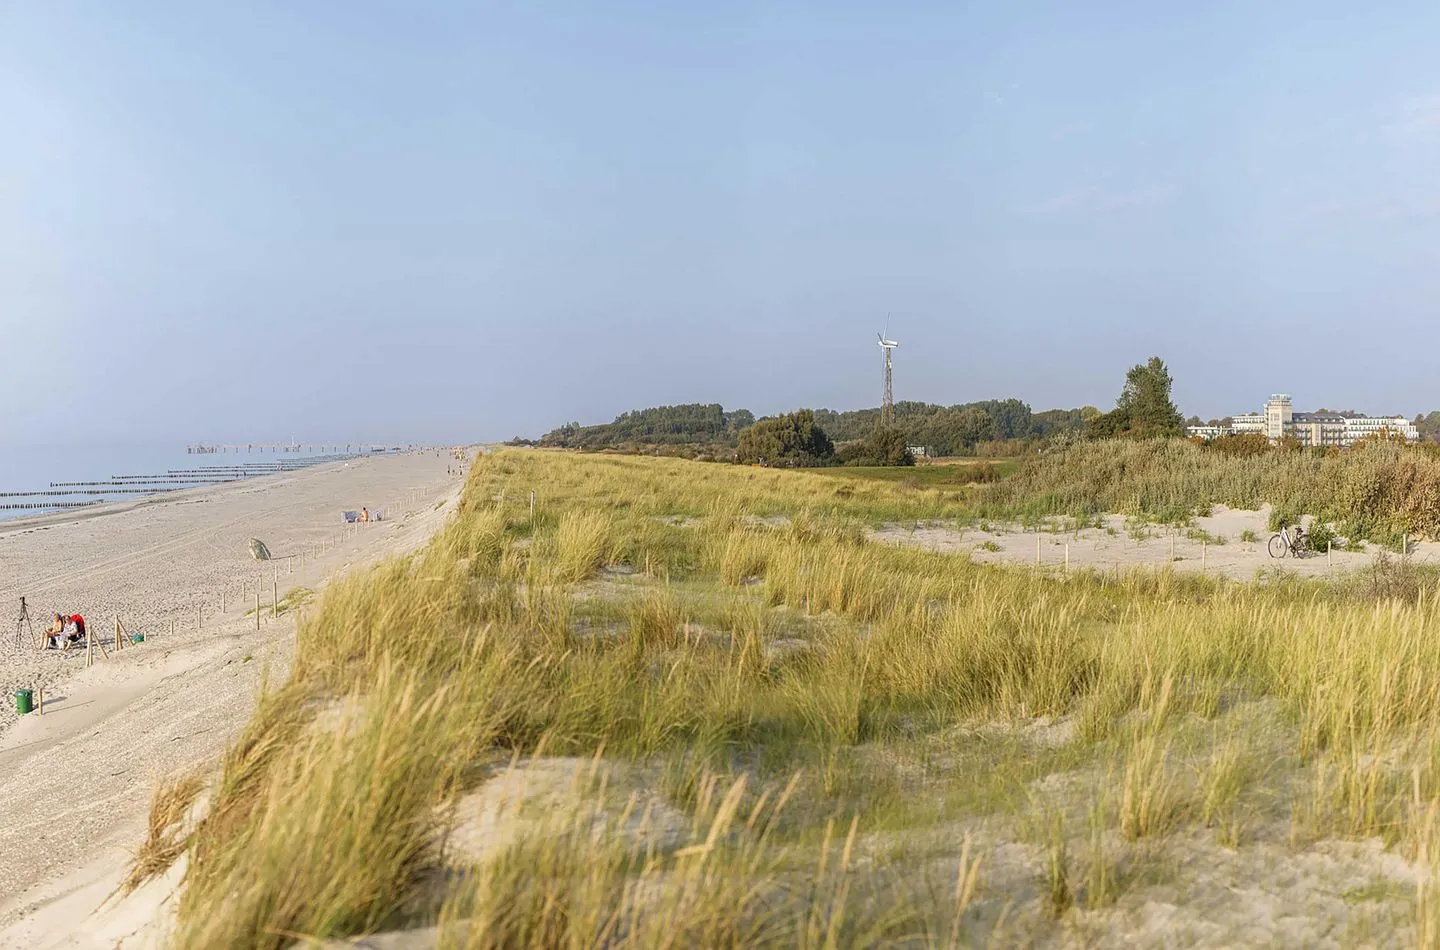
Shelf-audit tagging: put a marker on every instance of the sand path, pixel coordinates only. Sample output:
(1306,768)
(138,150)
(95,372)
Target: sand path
(1124,545)
(76,782)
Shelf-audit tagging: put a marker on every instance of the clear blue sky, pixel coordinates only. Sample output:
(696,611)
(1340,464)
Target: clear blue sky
(471,220)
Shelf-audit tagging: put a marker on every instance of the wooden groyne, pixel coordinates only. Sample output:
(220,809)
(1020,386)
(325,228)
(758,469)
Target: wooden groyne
(48,506)
(131,482)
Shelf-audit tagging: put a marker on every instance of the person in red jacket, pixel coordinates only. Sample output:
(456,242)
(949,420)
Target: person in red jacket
(79,631)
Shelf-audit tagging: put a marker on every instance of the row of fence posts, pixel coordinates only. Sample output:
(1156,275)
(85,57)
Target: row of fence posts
(124,638)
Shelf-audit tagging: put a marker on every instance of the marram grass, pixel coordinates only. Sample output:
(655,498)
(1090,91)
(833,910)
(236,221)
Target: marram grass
(818,706)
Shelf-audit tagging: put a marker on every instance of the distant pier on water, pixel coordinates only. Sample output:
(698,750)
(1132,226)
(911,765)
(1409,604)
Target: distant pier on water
(296,448)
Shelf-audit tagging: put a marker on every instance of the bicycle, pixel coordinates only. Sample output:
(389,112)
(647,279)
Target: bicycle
(1283,543)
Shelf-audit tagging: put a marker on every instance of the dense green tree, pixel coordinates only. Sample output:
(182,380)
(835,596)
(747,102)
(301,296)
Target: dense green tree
(793,439)
(885,445)
(1144,409)
(1428,426)
(1053,422)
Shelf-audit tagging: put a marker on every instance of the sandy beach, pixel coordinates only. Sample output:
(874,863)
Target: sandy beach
(176,568)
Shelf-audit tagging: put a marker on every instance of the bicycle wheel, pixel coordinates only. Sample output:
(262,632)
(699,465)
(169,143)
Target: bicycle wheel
(1301,547)
(1278,547)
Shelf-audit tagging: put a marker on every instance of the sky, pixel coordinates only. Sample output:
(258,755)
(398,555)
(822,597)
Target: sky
(464,221)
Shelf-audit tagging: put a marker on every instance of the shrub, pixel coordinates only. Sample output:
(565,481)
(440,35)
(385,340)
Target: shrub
(791,440)
(1323,537)
(884,446)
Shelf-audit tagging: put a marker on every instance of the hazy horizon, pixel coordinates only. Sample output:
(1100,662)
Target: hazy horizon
(464,222)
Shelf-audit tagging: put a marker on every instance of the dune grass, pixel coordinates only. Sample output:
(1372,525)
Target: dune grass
(1378,491)
(854,729)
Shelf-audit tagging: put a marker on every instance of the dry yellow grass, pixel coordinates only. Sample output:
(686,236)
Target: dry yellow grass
(760,645)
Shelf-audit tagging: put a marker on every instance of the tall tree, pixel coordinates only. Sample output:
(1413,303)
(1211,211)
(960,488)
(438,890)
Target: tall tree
(1144,409)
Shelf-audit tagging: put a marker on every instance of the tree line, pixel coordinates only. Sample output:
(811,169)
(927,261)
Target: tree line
(941,430)
(808,437)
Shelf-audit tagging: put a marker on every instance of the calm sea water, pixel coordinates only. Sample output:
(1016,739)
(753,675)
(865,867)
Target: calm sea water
(34,467)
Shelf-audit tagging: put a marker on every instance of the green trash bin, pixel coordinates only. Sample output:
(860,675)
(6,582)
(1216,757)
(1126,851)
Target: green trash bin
(24,701)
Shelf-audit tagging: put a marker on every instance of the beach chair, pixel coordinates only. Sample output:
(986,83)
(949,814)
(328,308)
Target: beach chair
(350,516)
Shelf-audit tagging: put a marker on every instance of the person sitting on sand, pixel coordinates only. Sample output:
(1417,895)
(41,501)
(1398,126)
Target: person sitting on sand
(75,630)
(53,632)
(63,632)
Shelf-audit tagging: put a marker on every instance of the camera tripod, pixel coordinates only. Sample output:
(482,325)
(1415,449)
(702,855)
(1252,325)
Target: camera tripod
(23,626)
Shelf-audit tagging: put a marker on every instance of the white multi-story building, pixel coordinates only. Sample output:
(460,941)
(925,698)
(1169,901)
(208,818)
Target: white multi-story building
(1279,419)
(1246,422)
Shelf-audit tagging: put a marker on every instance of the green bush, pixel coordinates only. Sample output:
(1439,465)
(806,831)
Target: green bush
(1322,537)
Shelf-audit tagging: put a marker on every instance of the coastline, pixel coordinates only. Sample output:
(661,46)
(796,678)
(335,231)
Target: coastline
(80,778)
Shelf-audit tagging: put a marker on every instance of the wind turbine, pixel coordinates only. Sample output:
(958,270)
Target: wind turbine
(887,407)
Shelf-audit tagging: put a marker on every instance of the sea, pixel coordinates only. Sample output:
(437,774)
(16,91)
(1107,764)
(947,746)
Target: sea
(32,467)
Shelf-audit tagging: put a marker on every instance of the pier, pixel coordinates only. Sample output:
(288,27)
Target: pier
(296,448)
